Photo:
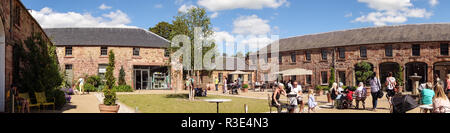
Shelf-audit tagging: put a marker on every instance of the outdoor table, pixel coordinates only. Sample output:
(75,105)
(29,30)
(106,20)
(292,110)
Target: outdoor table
(218,101)
(424,108)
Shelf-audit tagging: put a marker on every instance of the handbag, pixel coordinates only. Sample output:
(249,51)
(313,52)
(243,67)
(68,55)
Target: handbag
(380,91)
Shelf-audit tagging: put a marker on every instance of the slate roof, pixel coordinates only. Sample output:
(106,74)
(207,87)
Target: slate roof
(128,37)
(370,35)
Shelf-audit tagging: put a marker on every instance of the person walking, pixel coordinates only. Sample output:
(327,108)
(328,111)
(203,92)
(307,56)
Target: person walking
(390,85)
(311,101)
(216,82)
(297,89)
(81,85)
(333,94)
(279,90)
(225,89)
(361,94)
(375,86)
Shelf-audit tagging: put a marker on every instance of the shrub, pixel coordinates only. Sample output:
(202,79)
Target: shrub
(245,86)
(94,80)
(320,87)
(121,76)
(123,88)
(363,71)
(89,87)
(110,97)
(332,78)
(60,97)
(100,87)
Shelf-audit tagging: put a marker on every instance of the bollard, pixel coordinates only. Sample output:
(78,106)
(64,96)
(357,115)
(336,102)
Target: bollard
(245,108)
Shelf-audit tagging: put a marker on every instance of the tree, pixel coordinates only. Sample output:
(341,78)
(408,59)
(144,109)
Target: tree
(109,75)
(163,29)
(122,76)
(36,68)
(363,71)
(332,77)
(185,24)
(399,75)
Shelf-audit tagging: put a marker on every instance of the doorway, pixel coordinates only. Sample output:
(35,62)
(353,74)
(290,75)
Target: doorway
(416,67)
(151,78)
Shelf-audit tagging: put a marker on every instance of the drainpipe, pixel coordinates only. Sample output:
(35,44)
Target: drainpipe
(333,63)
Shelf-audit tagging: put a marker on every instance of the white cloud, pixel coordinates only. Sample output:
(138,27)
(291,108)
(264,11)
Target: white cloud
(348,15)
(215,15)
(104,7)
(218,5)
(434,2)
(158,6)
(391,11)
(48,18)
(178,2)
(252,25)
(184,8)
(229,40)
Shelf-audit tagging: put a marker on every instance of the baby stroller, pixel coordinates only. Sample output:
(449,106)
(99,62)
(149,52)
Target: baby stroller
(234,89)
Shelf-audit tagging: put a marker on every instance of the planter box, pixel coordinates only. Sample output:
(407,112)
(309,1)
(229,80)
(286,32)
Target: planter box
(108,109)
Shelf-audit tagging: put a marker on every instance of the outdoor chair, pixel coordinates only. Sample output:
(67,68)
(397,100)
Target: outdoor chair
(42,100)
(27,96)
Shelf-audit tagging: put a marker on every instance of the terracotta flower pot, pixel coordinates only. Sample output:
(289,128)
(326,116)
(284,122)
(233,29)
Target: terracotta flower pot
(329,97)
(245,90)
(108,109)
(368,90)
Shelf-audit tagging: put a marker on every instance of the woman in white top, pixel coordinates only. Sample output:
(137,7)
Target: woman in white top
(361,95)
(390,85)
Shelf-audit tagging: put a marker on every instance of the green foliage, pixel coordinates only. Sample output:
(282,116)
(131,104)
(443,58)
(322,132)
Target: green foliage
(89,87)
(94,80)
(122,76)
(60,97)
(320,87)
(363,71)
(399,76)
(110,97)
(163,29)
(332,78)
(245,86)
(36,65)
(109,75)
(123,88)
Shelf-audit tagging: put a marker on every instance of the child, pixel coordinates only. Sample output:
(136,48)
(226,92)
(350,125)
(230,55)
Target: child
(311,101)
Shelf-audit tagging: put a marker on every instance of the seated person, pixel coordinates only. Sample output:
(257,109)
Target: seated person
(21,101)
(361,95)
(427,95)
(441,104)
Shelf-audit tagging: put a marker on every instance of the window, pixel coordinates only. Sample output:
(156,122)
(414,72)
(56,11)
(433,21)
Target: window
(104,51)
(250,78)
(17,12)
(136,51)
(68,51)
(324,54)
(363,51)
(68,67)
(293,57)
(416,49)
(102,70)
(267,59)
(342,77)
(388,51)
(444,48)
(220,77)
(324,76)
(341,53)
(266,76)
(166,53)
(308,79)
(308,55)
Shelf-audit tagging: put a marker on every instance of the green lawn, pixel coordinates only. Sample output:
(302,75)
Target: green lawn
(179,103)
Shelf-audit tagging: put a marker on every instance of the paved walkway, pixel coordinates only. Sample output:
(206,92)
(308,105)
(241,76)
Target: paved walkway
(82,104)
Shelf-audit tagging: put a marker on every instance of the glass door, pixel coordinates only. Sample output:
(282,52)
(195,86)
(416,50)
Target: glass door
(142,79)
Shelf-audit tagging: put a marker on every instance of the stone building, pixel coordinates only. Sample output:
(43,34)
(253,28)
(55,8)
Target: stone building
(142,54)
(410,49)
(16,25)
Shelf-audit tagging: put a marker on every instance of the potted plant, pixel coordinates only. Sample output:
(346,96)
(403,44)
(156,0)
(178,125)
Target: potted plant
(245,88)
(399,78)
(319,90)
(109,101)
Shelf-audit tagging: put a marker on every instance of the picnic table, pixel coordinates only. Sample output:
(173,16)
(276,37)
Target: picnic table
(217,101)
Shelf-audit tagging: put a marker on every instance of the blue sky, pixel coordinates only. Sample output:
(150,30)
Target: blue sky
(285,18)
